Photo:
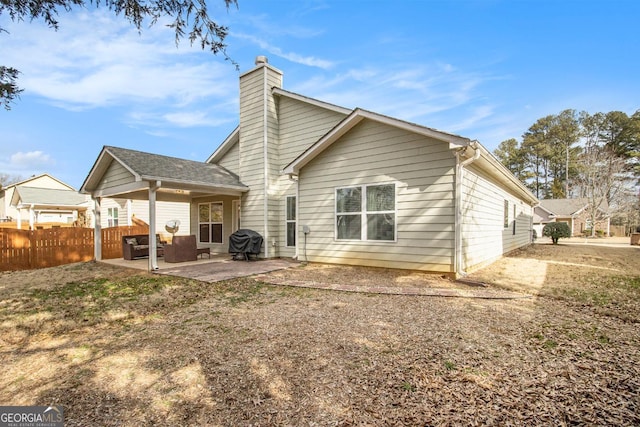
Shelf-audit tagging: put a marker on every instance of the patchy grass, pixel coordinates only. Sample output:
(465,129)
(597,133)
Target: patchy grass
(131,348)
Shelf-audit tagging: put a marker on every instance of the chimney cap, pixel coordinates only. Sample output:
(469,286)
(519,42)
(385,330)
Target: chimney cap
(261,60)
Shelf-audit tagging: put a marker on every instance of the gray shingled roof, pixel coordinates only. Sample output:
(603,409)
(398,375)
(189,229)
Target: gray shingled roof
(49,196)
(155,166)
(566,207)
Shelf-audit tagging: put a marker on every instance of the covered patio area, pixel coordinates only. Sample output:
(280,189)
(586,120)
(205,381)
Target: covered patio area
(130,174)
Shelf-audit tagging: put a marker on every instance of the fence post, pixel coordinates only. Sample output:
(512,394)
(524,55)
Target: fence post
(97,229)
(31,249)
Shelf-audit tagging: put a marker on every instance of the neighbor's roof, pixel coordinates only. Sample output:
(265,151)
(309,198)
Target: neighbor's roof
(36,177)
(567,207)
(47,197)
(156,167)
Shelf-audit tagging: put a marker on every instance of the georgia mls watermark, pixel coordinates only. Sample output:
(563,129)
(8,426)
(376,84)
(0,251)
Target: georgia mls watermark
(31,416)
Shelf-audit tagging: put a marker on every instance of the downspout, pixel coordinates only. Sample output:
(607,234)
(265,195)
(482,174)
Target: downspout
(460,165)
(265,138)
(154,186)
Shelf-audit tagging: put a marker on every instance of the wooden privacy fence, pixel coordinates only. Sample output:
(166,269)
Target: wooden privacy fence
(27,249)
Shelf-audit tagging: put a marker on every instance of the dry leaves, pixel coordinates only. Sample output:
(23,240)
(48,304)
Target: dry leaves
(244,353)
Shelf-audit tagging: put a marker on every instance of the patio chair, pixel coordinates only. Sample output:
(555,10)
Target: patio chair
(181,249)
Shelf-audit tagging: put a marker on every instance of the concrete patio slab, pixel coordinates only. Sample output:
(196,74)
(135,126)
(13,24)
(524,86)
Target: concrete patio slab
(226,269)
(143,263)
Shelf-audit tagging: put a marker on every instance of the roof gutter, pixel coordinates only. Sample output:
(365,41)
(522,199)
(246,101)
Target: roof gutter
(460,167)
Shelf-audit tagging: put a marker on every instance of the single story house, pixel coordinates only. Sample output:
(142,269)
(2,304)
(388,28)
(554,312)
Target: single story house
(42,199)
(330,184)
(572,211)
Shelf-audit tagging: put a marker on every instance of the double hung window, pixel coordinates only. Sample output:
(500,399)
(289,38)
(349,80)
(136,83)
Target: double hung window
(112,217)
(366,212)
(210,222)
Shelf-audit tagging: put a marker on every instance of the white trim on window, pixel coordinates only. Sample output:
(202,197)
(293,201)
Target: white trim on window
(112,217)
(291,221)
(505,216)
(210,223)
(364,213)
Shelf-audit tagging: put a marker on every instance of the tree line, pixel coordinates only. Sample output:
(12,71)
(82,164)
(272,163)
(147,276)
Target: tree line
(580,155)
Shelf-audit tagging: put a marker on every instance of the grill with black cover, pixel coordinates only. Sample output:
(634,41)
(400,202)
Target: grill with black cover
(244,243)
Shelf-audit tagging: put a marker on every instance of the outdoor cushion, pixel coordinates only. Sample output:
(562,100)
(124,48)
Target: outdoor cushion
(131,241)
(139,247)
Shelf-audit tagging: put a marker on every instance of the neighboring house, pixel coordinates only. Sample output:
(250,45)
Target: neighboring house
(572,211)
(42,199)
(330,184)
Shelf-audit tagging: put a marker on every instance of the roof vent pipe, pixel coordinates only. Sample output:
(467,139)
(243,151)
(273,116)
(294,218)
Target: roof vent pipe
(261,60)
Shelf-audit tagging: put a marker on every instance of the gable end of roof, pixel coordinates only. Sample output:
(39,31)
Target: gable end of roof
(356,117)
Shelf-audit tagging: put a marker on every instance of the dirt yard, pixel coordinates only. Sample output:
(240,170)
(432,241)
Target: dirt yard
(122,347)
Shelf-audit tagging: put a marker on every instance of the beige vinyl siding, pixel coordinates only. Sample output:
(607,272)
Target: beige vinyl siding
(106,204)
(274,215)
(227,223)
(423,171)
(8,210)
(287,188)
(251,146)
(46,182)
(258,122)
(301,125)
(231,159)
(115,176)
(164,212)
(484,237)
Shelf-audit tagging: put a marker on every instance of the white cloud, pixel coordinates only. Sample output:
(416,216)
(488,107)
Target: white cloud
(193,118)
(23,164)
(265,24)
(414,92)
(310,61)
(98,60)
(31,159)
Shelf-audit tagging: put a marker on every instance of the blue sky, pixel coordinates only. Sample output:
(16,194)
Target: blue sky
(486,70)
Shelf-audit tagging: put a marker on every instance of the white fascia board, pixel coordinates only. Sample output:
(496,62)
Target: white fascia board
(416,128)
(515,182)
(356,117)
(52,207)
(98,167)
(126,166)
(322,104)
(98,170)
(225,146)
(121,190)
(332,136)
(193,185)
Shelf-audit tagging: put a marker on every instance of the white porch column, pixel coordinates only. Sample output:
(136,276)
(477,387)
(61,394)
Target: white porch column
(129,212)
(19,219)
(32,215)
(153,244)
(97,230)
